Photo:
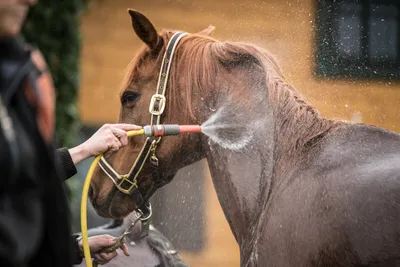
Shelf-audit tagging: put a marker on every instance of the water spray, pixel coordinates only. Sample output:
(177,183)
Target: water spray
(148,131)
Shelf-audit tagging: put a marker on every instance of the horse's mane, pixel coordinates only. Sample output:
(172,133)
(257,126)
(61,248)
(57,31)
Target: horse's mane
(206,56)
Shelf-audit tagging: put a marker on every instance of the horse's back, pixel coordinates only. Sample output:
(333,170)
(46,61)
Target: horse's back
(367,152)
(361,164)
(342,206)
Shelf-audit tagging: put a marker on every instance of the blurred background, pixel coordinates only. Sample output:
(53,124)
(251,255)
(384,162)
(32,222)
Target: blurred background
(344,56)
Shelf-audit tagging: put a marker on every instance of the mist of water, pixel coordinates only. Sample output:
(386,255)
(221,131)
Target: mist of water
(229,135)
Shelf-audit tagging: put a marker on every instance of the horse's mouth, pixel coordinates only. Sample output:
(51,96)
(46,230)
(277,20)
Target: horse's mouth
(121,206)
(115,206)
(113,211)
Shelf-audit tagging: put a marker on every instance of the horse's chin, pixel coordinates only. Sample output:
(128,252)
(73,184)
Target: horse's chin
(119,211)
(119,207)
(116,206)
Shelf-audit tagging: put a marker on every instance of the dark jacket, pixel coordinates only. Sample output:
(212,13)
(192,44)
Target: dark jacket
(66,165)
(34,214)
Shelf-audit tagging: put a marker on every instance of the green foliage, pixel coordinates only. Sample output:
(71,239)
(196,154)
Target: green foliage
(53,27)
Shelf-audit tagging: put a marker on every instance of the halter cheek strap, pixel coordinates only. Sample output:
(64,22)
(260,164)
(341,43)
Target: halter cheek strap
(127,183)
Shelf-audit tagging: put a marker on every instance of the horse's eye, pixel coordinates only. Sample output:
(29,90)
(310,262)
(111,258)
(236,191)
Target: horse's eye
(129,98)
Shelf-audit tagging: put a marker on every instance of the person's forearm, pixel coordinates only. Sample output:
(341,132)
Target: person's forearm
(65,162)
(79,153)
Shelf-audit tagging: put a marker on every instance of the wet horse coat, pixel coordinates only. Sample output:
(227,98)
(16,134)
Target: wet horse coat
(303,191)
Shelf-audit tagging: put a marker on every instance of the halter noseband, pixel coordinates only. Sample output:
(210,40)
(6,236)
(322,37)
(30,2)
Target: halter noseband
(127,183)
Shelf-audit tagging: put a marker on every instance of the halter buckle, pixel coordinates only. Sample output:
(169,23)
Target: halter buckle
(123,176)
(125,180)
(161,104)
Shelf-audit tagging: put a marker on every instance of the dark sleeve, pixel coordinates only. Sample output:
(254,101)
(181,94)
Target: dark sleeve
(67,166)
(77,256)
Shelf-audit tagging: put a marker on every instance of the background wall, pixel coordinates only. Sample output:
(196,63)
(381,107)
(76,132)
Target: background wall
(286,28)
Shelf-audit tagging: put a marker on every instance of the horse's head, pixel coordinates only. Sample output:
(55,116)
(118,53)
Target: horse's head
(171,153)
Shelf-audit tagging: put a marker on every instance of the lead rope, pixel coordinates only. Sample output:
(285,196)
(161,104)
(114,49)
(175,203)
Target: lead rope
(120,241)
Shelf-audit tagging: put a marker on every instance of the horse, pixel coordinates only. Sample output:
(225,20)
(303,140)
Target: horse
(296,188)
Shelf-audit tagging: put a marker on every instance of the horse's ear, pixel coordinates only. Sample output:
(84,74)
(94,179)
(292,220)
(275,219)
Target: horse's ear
(144,29)
(207,31)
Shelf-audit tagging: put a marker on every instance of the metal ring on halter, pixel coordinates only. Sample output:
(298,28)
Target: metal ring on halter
(161,104)
(141,214)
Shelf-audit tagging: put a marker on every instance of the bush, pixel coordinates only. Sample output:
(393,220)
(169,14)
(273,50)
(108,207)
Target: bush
(53,27)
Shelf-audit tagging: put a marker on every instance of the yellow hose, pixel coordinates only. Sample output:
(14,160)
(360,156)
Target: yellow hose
(84,230)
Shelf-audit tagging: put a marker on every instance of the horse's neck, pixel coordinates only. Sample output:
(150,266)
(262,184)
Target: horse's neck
(242,180)
(281,124)
(245,179)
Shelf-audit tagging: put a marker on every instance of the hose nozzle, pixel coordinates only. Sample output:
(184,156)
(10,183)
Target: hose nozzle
(170,129)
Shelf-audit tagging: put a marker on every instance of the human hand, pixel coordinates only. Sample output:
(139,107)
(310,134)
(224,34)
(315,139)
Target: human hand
(109,138)
(98,242)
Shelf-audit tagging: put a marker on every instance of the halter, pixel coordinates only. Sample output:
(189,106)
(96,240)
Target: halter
(127,183)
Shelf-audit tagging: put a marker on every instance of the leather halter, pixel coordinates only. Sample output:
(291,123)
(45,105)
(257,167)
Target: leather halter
(127,183)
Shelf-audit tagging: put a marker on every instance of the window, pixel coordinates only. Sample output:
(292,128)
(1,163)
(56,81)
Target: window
(358,38)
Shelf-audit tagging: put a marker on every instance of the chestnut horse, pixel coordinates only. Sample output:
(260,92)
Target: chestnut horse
(297,189)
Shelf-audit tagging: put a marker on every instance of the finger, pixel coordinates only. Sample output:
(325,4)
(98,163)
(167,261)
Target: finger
(118,132)
(109,139)
(127,127)
(107,236)
(108,240)
(125,249)
(121,134)
(104,240)
(98,259)
(106,257)
(115,145)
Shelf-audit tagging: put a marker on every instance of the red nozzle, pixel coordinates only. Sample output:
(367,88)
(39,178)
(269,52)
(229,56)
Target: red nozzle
(189,128)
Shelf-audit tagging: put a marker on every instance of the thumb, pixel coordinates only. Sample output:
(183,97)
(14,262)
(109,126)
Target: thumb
(125,249)
(109,241)
(103,242)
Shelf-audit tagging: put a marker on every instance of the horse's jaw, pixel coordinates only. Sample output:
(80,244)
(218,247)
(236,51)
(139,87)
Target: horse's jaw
(111,207)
